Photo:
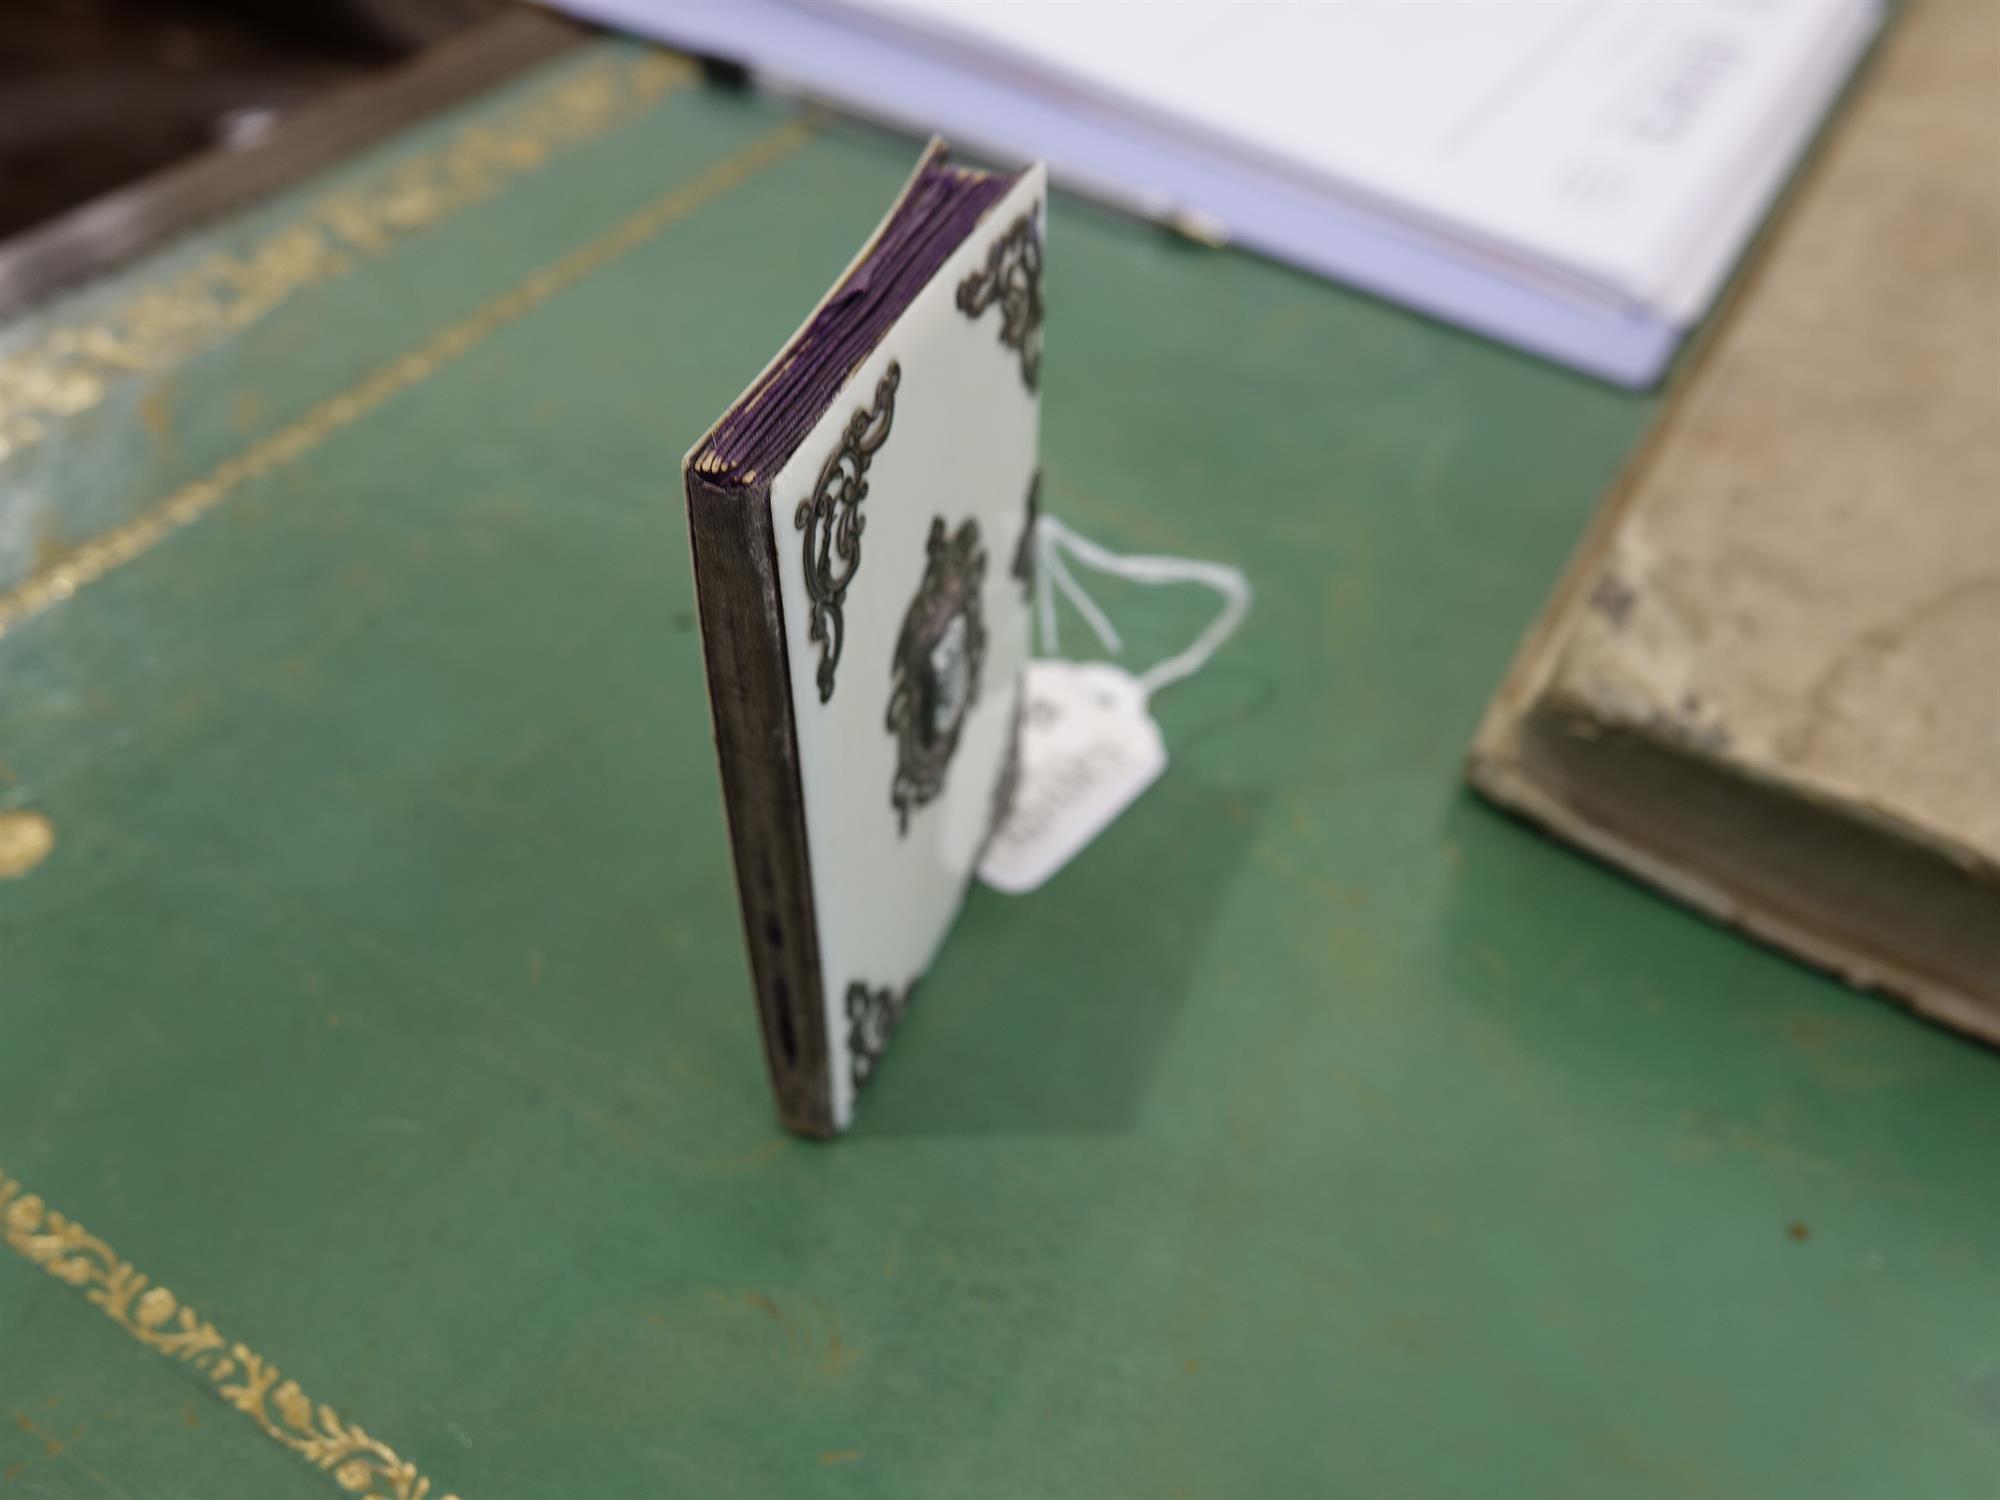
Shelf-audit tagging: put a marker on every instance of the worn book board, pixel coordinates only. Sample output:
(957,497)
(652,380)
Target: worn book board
(1770,682)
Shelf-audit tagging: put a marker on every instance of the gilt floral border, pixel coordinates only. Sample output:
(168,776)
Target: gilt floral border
(237,1376)
(71,367)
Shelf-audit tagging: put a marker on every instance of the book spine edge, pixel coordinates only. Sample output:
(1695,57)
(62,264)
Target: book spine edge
(750,702)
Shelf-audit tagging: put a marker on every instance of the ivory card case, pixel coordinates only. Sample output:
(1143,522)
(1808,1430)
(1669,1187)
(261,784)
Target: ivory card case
(861,522)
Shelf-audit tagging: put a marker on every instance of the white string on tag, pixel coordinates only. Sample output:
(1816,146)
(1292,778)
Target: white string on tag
(1088,744)
(1053,538)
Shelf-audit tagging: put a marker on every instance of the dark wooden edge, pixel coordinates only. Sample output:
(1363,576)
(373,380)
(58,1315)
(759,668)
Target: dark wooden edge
(756,744)
(110,231)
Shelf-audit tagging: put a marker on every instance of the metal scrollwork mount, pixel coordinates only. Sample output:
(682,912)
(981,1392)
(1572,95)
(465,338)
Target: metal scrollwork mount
(832,522)
(1012,277)
(934,675)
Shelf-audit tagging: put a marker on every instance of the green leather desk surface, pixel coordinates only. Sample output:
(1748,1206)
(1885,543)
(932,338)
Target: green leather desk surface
(1318,1132)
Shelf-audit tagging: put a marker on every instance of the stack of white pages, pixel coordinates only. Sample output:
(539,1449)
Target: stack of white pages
(1574,177)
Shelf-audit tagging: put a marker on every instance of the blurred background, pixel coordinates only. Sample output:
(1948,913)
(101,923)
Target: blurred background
(95,94)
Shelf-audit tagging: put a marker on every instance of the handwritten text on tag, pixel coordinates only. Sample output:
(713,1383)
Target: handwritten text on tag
(1089,747)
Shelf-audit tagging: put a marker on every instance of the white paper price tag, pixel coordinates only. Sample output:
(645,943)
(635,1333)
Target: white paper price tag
(1089,747)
